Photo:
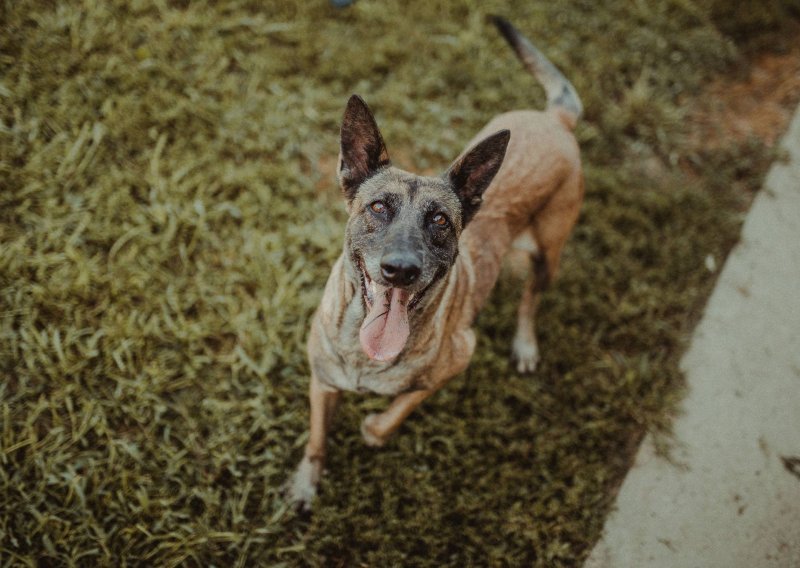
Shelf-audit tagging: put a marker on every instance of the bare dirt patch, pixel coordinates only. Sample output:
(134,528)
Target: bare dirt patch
(757,103)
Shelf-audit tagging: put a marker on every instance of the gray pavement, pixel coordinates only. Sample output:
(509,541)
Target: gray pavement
(731,497)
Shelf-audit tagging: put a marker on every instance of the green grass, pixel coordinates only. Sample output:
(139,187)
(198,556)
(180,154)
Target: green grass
(168,218)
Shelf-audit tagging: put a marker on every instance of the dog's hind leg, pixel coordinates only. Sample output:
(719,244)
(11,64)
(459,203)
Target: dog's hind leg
(376,428)
(525,350)
(550,229)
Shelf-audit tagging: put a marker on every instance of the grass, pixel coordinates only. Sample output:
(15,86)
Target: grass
(168,217)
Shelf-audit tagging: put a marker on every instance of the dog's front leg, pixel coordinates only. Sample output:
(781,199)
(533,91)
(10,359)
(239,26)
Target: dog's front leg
(376,428)
(302,487)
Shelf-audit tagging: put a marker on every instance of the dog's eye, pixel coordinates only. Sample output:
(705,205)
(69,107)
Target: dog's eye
(439,220)
(378,207)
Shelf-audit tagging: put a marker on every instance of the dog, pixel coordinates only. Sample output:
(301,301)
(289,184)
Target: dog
(422,254)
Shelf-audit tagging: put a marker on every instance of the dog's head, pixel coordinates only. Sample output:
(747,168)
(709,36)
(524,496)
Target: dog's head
(403,231)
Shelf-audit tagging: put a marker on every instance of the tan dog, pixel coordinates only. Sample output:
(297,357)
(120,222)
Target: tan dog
(422,254)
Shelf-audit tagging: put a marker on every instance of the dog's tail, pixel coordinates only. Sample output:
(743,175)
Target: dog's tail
(560,92)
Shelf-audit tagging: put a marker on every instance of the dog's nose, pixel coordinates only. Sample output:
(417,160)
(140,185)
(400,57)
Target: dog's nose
(400,270)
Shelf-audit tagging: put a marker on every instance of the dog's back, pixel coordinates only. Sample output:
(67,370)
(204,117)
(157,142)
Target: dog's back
(536,195)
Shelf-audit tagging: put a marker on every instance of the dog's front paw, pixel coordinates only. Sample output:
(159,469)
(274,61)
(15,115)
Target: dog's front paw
(526,355)
(368,427)
(301,488)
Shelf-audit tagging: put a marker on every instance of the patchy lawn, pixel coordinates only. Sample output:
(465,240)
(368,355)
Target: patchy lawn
(168,217)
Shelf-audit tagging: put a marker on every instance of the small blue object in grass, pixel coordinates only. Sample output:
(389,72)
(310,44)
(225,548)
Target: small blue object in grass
(341,3)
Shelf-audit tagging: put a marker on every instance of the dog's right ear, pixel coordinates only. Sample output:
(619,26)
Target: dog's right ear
(362,151)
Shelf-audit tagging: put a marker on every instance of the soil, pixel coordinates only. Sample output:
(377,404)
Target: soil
(756,103)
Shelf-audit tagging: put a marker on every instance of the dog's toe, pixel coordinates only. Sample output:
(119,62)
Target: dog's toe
(526,355)
(367,431)
(526,366)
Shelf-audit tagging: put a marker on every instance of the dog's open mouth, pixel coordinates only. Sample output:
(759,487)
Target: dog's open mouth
(385,329)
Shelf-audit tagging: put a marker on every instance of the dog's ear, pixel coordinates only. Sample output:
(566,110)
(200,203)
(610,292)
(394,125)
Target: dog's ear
(472,173)
(362,151)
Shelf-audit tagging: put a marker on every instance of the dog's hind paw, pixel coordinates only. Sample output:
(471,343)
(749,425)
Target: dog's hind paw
(526,355)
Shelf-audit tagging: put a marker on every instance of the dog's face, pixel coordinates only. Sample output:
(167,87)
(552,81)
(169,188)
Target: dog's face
(403,231)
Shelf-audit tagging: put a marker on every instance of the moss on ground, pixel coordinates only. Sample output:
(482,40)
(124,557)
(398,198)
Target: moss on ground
(168,218)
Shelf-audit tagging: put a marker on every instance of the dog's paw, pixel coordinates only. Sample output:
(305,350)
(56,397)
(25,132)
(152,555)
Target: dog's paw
(368,431)
(526,355)
(300,489)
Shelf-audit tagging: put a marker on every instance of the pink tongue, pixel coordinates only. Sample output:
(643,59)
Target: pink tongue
(385,329)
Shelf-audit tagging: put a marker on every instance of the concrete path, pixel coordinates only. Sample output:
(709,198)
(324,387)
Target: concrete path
(734,499)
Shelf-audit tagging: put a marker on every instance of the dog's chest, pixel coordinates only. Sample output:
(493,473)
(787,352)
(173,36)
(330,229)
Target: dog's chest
(342,364)
(357,376)
(338,360)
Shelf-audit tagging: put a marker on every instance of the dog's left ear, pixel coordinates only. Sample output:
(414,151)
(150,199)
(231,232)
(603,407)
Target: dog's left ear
(362,151)
(472,173)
